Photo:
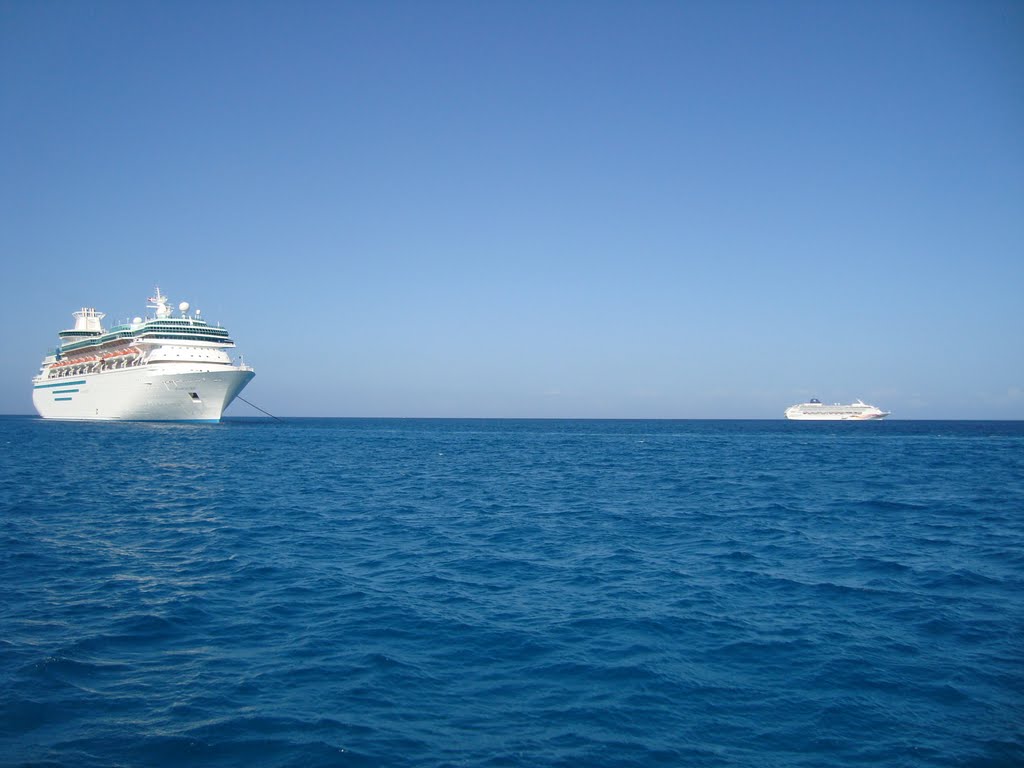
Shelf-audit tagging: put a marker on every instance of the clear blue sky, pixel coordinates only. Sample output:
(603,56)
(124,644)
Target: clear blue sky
(551,209)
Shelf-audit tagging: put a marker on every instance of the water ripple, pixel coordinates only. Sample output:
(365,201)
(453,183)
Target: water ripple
(511,593)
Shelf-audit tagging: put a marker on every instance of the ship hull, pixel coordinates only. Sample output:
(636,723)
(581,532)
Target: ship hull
(836,417)
(161,392)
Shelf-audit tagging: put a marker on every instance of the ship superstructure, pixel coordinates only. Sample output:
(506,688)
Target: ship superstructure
(159,368)
(815,410)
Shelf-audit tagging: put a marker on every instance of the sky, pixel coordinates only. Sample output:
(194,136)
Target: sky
(530,209)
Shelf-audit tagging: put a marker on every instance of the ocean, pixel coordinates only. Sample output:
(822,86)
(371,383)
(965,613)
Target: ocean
(400,592)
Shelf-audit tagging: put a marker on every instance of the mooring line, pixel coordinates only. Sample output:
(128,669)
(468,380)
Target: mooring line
(259,409)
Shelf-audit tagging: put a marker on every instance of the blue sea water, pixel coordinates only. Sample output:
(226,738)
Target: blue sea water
(348,592)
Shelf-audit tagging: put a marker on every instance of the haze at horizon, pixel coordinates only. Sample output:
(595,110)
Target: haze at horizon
(701,210)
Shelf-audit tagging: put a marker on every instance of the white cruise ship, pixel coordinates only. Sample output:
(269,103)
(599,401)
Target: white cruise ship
(815,410)
(161,368)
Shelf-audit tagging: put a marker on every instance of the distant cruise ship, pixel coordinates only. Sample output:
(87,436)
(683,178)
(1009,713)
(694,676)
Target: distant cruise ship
(161,368)
(816,411)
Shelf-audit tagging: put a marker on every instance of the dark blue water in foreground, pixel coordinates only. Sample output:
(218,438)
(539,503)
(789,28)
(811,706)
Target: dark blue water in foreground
(512,593)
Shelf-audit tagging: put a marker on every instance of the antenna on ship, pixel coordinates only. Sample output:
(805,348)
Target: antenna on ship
(159,303)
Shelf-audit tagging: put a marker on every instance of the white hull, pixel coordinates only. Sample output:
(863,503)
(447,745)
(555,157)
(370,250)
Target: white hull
(836,417)
(817,411)
(155,392)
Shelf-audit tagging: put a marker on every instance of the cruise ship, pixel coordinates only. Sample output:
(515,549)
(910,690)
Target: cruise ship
(161,368)
(815,410)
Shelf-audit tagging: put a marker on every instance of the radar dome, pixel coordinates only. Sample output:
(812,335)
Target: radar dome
(183,306)
(136,320)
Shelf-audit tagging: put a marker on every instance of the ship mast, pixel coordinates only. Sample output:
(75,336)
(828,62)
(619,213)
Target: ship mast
(159,303)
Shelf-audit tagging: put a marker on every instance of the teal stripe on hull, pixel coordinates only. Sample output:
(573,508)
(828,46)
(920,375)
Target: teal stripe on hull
(59,384)
(58,399)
